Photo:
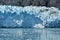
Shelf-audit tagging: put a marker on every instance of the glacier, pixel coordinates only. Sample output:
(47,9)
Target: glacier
(29,17)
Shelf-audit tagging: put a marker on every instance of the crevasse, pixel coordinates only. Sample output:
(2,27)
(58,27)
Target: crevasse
(29,16)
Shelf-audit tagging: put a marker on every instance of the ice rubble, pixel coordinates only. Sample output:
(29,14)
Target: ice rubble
(29,16)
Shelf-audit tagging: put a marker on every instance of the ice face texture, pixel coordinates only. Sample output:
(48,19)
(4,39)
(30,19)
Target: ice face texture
(29,16)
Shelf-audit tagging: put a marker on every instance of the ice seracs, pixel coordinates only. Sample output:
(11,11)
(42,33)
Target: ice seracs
(31,15)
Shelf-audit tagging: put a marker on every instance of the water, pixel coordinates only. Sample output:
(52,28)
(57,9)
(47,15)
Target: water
(29,34)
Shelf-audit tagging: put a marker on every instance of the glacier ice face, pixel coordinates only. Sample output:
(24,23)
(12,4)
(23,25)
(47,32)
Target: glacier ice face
(29,16)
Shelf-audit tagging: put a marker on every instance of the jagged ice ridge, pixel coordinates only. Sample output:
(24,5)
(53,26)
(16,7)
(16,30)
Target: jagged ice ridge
(29,16)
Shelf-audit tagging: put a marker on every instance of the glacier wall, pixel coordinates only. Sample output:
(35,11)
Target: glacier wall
(29,16)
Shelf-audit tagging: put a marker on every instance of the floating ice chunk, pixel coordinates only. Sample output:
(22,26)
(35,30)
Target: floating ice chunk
(38,26)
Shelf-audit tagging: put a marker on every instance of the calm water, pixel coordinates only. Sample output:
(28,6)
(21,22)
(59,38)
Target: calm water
(29,34)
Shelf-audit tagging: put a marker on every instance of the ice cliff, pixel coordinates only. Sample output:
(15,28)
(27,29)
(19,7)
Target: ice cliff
(29,16)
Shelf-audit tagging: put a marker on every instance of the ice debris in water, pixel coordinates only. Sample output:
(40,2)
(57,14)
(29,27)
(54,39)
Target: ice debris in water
(38,26)
(29,16)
